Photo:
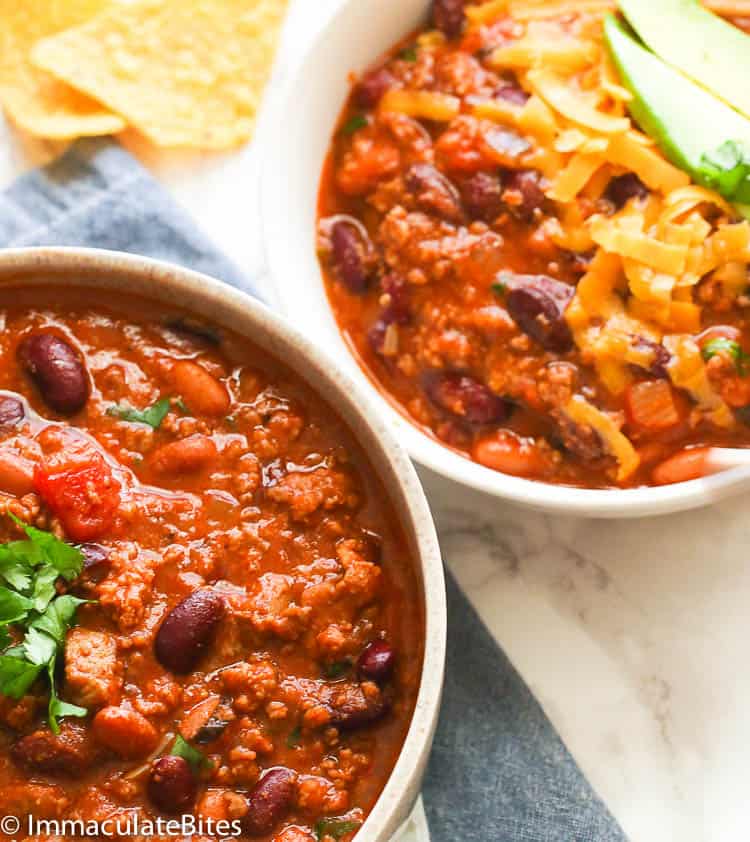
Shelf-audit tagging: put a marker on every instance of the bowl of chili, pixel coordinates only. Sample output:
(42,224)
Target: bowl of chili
(226,588)
(421,233)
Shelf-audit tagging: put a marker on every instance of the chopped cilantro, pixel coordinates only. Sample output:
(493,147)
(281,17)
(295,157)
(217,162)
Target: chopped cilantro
(354,124)
(31,604)
(337,669)
(408,54)
(335,828)
(153,415)
(295,735)
(732,349)
(499,289)
(197,760)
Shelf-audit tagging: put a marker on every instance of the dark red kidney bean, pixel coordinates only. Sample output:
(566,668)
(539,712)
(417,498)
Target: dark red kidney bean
(269,801)
(658,367)
(188,629)
(398,308)
(622,188)
(373,86)
(12,412)
(57,371)
(483,196)
(96,561)
(523,193)
(376,661)
(171,785)
(506,143)
(582,442)
(537,304)
(350,707)
(465,397)
(350,253)
(512,93)
(448,16)
(433,192)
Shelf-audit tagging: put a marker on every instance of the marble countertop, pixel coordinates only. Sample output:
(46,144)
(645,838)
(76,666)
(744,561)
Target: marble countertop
(631,634)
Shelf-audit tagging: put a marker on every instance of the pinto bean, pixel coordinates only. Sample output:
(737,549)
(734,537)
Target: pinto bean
(351,255)
(372,87)
(188,629)
(537,304)
(448,16)
(433,192)
(465,397)
(184,456)
(685,465)
(376,661)
(510,454)
(57,370)
(172,786)
(16,473)
(269,801)
(12,412)
(124,731)
(68,753)
(201,391)
(483,196)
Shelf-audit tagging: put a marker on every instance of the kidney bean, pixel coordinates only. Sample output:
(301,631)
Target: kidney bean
(269,801)
(125,732)
(376,661)
(372,86)
(68,753)
(96,561)
(658,367)
(483,196)
(465,397)
(16,473)
(351,255)
(201,391)
(537,304)
(583,442)
(448,16)
(194,453)
(523,193)
(506,145)
(188,629)
(12,412)
(433,192)
(512,93)
(350,707)
(57,370)
(622,188)
(398,308)
(172,785)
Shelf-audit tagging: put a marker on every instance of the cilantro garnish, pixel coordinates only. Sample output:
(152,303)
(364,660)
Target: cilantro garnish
(335,828)
(197,760)
(295,735)
(408,54)
(354,124)
(31,605)
(727,170)
(153,415)
(722,345)
(337,669)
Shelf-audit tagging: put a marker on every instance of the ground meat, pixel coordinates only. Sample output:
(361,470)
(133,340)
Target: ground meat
(306,493)
(93,674)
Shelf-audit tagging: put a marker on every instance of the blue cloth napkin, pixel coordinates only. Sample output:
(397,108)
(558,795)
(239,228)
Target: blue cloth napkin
(499,772)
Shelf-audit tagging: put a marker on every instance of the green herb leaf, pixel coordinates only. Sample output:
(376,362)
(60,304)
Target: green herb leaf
(14,607)
(44,548)
(16,673)
(197,760)
(408,54)
(39,648)
(295,735)
(337,669)
(354,124)
(57,707)
(153,415)
(44,590)
(727,170)
(336,828)
(58,618)
(732,349)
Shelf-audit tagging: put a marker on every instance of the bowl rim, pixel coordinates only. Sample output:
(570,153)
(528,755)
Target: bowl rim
(424,449)
(183,284)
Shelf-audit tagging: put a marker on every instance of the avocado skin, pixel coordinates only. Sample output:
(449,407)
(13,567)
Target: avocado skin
(688,123)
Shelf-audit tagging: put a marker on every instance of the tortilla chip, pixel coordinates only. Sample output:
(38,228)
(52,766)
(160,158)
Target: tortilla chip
(184,74)
(36,101)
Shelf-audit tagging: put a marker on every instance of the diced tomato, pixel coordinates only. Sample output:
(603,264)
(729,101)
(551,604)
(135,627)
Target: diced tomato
(653,405)
(85,497)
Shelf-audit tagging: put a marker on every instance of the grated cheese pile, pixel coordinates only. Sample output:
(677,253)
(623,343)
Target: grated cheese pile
(649,256)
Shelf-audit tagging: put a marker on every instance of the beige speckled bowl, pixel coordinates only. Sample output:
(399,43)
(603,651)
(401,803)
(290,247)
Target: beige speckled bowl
(239,312)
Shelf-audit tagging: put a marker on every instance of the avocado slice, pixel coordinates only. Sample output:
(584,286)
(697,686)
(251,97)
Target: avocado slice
(696,131)
(704,47)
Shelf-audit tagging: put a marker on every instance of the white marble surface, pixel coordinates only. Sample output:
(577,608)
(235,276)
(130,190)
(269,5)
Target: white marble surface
(632,634)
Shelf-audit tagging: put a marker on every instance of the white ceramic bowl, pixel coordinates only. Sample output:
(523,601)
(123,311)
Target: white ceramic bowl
(226,306)
(296,137)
